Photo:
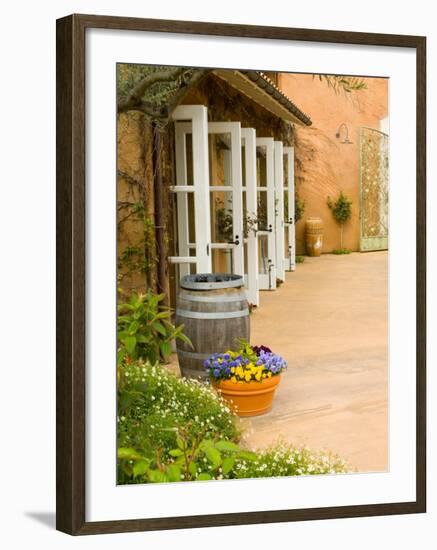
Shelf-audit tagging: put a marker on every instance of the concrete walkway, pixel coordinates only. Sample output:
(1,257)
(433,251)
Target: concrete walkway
(329,320)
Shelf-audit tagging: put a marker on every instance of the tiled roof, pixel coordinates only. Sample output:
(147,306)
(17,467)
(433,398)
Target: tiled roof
(261,89)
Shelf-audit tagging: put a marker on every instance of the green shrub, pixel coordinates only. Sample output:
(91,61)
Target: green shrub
(341,211)
(153,405)
(283,459)
(300,259)
(144,330)
(195,458)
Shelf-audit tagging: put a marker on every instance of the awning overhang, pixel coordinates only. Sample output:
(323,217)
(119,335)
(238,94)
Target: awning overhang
(262,90)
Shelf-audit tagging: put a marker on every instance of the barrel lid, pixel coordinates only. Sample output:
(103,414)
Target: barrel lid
(211,281)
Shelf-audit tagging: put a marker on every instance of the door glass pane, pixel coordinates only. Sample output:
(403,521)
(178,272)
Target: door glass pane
(263,264)
(285,170)
(249,222)
(243,165)
(191,222)
(262,211)
(193,267)
(221,217)
(189,217)
(261,166)
(286,243)
(189,159)
(220,163)
(286,206)
(222,261)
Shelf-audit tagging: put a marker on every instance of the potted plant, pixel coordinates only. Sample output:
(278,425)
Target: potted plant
(341,211)
(246,378)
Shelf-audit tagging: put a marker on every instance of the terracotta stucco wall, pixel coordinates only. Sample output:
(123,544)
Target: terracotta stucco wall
(323,165)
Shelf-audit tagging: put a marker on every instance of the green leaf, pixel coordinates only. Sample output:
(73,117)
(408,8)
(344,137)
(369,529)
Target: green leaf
(229,446)
(165,348)
(156,476)
(173,473)
(120,355)
(203,477)
(214,456)
(159,328)
(228,464)
(247,455)
(133,327)
(192,469)
(181,443)
(206,443)
(128,453)
(185,339)
(140,467)
(162,315)
(130,342)
(143,339)
(175,452)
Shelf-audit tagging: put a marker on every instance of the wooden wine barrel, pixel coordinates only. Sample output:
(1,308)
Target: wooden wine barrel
(314,236)
(215,313)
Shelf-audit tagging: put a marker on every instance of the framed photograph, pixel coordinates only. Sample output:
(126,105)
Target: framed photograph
(240,274)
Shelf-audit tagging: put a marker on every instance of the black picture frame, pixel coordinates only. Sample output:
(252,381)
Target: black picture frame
(71,248)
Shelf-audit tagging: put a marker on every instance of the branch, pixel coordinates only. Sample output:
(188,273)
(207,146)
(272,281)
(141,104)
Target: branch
(134,99)
(129,179)
(185,87)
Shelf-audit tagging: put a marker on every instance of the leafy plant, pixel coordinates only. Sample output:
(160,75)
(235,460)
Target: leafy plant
(341,211)
(340,83)
(145,330)
(300,259)
(224,222)
(195,458)
(340,251)
(153,405)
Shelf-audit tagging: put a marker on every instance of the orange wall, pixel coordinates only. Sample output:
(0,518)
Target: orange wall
(323,165)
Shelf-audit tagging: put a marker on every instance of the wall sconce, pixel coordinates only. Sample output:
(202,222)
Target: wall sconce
(346,140)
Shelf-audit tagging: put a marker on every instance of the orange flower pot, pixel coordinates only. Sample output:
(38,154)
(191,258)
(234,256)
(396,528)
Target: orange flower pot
(248,398)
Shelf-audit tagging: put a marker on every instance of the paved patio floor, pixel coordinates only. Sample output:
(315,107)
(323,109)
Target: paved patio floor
(329,320)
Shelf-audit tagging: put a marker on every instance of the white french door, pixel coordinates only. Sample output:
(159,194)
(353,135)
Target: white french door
(249,181)
(226,197)
(266,213)
(192,189)
(208,193)
(290,228)
(279,210)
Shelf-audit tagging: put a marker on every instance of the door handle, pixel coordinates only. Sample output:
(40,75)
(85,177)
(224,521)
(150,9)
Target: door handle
(236,241)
